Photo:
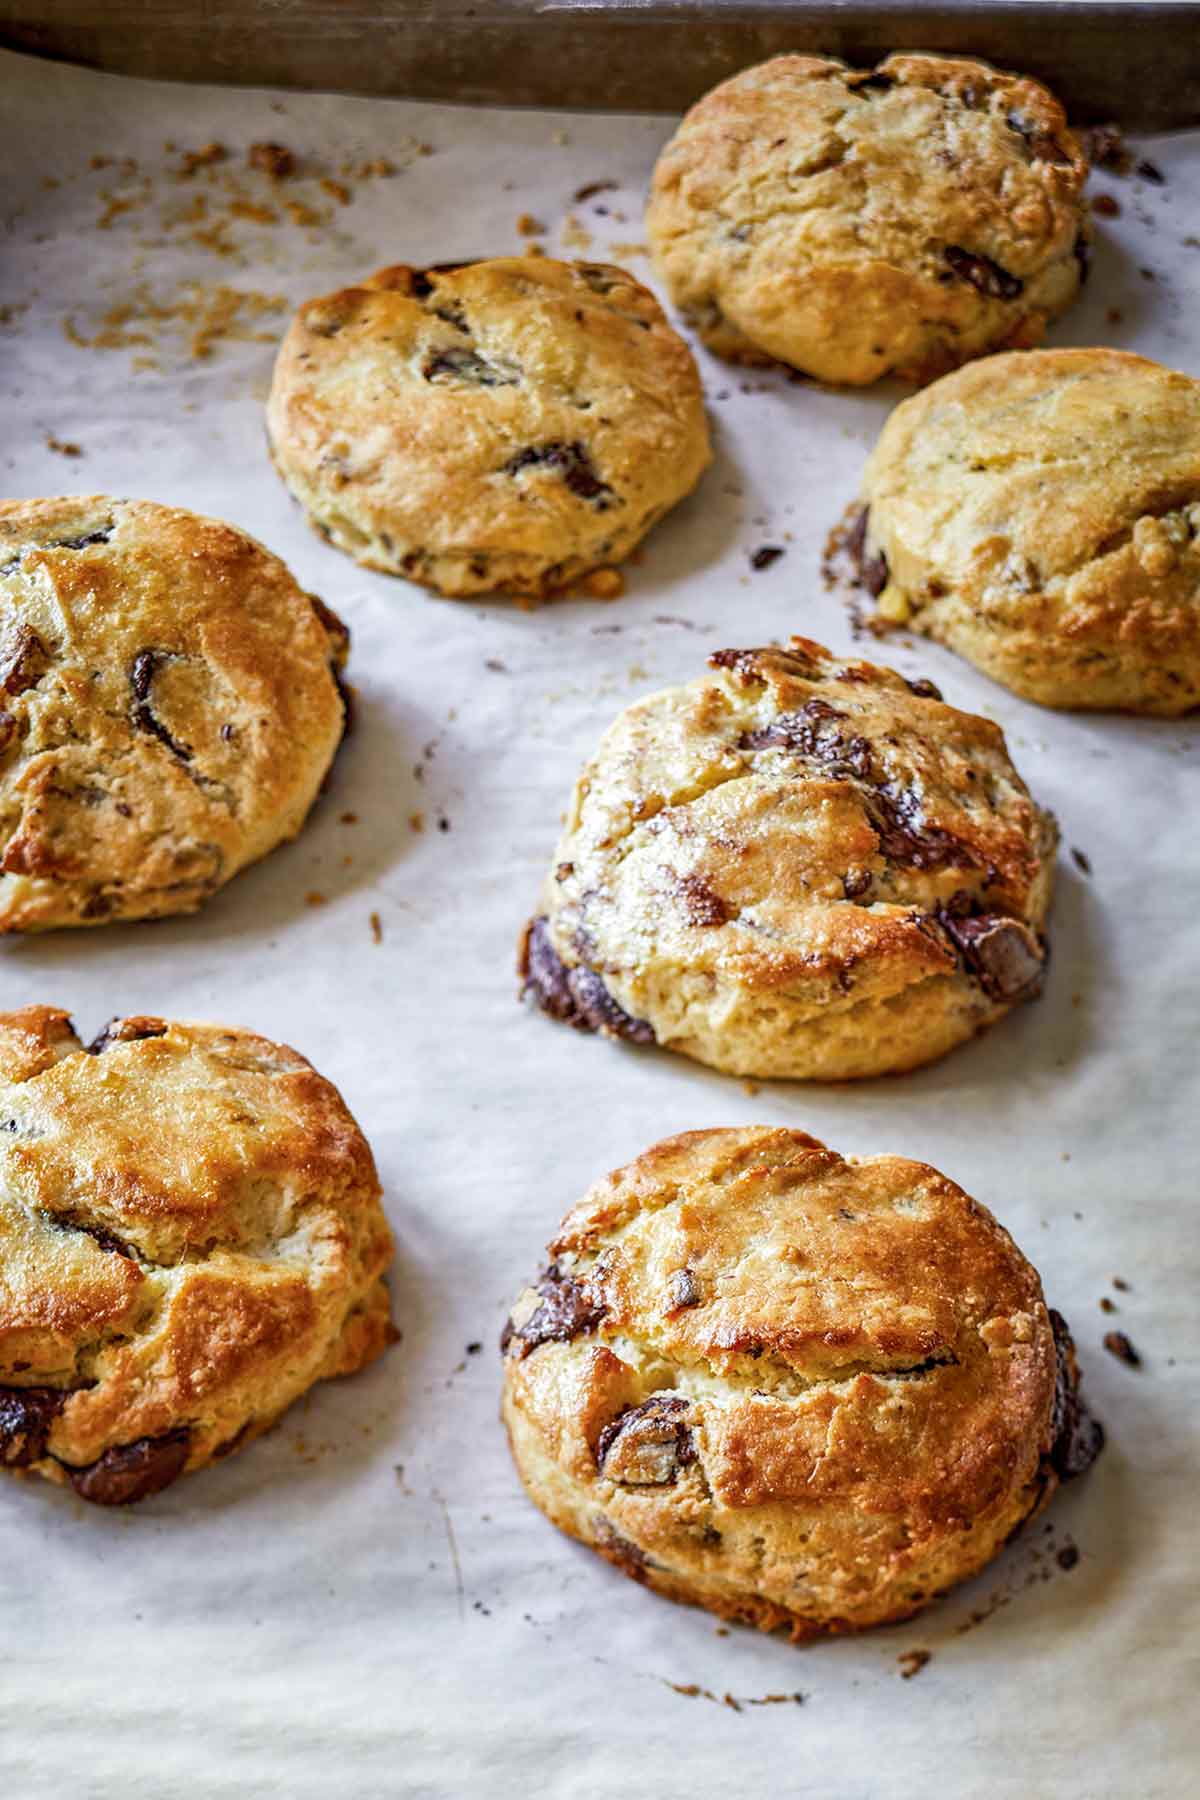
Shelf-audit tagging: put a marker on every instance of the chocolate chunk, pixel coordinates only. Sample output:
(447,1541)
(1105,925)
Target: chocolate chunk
(575,995)
(1106,149)
(807,732)
(617,1549)
(125,1031)
(766,554)
(702,904)
(26,1415)
(983,273)
(1003,954)
(647,1445)
(466,365)
(923,689)
(571,462)
(872,570)
(143,670)
(1076,1437)
(1067,1557)
(872,84)
(1118,1345)
(107,1240)
(568,1309)
(132,1472)
(897,817)
(24,659)
(684,1291)
(856,882)
(1150,172)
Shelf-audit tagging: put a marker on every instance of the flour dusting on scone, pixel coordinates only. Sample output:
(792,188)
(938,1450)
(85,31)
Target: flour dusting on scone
(505,426)
(191,1235)
(860,223)
(797,865)
(1040,514)
(169,707)
(798,1389)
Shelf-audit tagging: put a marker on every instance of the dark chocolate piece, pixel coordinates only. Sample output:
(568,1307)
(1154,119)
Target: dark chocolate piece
(143,670)
(1002,953)
(23,661)
(26,1416)
(1076,1437)
(571,462)
(983,273)
(125,1031)
(568,1309)
(467,365)
(575,995)
(1118,1345)
(647,1445)
(766,554)
(131,1472)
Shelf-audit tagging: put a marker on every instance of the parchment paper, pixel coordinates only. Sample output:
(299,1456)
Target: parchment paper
(365,1603)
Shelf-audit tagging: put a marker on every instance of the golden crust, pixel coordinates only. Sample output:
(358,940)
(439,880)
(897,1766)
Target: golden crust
(1040,514)
(856,224)
(795,866)
(504,426)
(790,1387)
(190,1236)
(170,708)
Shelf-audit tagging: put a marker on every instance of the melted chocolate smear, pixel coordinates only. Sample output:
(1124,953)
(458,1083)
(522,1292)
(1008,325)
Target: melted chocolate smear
(983,273)
(145,666)
(807,732)
(653,1440)
(568,1309)
(577,995)
(898,820)
(132,1472)
(84,542)
(1001,953)
(1078,1438)
(571,462)
(26,1415)
(466,365)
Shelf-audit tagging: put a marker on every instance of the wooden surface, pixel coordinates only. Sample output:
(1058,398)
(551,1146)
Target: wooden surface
(1136,62)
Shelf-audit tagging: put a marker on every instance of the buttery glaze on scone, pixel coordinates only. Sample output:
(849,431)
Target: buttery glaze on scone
(796,1389)
(170,708)
(190,1236)
(504,426)
(799,865)
(860,223)
(1040,514)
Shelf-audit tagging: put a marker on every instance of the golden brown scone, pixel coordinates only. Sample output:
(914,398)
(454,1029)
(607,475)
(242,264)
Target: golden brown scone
(505,426)
(797,865)
(796,1389)
(862,223)
(169,708)
(190,1236)
(1040,514)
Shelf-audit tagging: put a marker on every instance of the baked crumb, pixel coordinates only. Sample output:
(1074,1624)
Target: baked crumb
(315,899)
(62,447)
(604,584)
(201,159)
(912,1662)
(376,928)
(275,160)
(1118,1345)
(528,226)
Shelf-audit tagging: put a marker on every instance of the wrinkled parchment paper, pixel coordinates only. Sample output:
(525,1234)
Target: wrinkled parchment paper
(364,1603)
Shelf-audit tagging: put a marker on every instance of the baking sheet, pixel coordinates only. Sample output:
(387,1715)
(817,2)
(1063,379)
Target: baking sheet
(365,1602)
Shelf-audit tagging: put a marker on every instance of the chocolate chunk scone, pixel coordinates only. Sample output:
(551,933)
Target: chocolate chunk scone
(504,426)
(797,1389)
(797,865)
(169,707)
(190,1236)
(859,223)
(1040,514)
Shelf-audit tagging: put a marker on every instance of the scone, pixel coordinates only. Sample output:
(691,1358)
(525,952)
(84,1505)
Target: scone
(859,223)
(190,1236)
(797,865)
(505,426)
(796,1389)
(170,706)
(1040,514)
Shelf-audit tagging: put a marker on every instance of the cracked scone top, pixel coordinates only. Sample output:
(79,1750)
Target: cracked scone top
(860,223)
(797,1389)
(797,865)
(190,1236)
(1040,514)
(502,426)
(169,706)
